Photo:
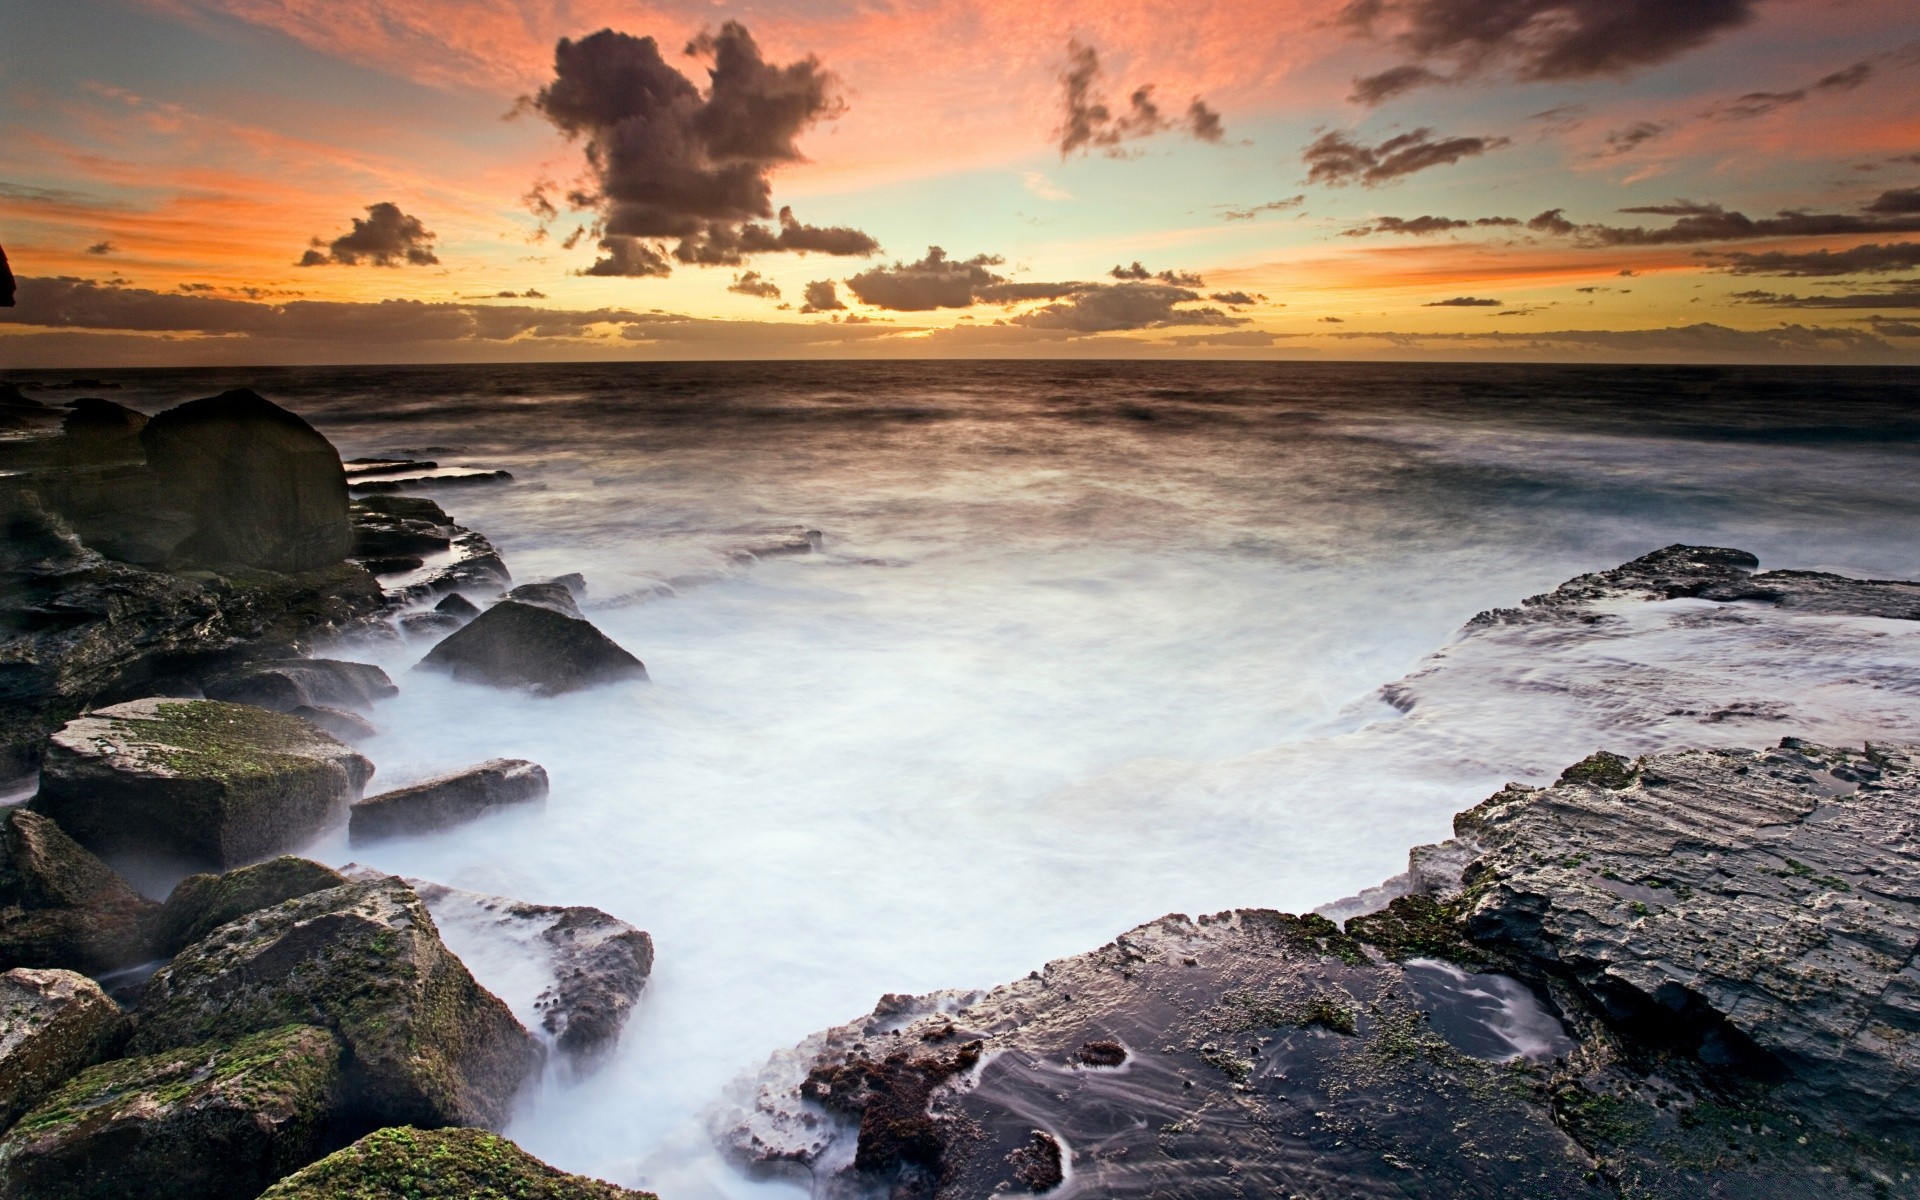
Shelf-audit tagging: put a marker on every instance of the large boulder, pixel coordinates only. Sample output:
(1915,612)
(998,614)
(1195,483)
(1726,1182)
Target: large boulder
(96,432)
(442,1164)
(288,684)
(448,800)
(60,906)
(53,1025)
(517,645)
(212,784)
(213,1122)
(201,904)
(426,1044)
(262,488)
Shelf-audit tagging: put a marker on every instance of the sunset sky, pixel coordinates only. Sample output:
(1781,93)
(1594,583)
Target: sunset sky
(261,181)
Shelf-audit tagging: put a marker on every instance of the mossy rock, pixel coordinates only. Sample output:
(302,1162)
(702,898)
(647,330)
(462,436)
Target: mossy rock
(62,907)
(212,784)
(427,1044)
(516,645)
(1418,927)
(445,1164)
(210,1122)
(1602,770)
(53,1024)
(201,904)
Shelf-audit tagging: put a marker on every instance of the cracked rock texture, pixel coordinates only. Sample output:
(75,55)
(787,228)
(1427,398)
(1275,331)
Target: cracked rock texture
(53,1024)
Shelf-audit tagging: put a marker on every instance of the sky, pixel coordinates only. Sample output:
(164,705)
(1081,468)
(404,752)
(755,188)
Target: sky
(189,182)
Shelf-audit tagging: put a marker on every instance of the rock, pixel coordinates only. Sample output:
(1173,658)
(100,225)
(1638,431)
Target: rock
(518,645)
(261,486)
(399,564)
(53,1025)
(350,728)
(412,508)
(201,904)
(62,907)
(551,594)
(220,1121)
(477,567)
(457,606)
(289,684)
(8,287)
(429,625)
(374,487)
(448,800)
(97,432)
(1245,1054)
(1742,904)
(387,466)
(209,783)
(380,533)
(425,1044)
(595,966)
(445,1164)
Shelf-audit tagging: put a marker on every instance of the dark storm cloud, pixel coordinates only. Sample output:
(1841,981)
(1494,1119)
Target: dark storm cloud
(1897,201)
(1534,39)
(669,164)
(1248,214)
(822,296)
(937,281)
(1423,226)
(1464,302)
(1869,259)
(1338,159)
(1112,307)
(1089,124)
(1904,294)
(1136,272)
(751,283)
(387,238)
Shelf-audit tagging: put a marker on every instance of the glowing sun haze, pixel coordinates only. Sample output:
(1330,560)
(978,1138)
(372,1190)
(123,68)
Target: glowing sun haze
(254,181)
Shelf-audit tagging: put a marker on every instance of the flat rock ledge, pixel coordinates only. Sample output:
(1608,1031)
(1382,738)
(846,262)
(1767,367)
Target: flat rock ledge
(445,801)
(1688,975)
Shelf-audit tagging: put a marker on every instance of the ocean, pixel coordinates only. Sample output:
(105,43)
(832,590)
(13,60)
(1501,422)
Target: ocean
(1083,644)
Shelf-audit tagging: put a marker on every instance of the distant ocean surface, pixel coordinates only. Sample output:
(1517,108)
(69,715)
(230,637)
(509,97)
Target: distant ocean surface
(1087,643)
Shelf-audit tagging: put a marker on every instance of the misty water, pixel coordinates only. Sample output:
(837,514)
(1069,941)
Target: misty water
(1086,644)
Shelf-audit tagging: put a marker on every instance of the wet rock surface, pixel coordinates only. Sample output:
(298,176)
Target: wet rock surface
(200,904)
(518,645)
(288,684)
(425,1043)
(220,1121)
(53,1025)
(448,800)
(593,967)
(445,1164)
(204,782)
(62,907)
(1688,974)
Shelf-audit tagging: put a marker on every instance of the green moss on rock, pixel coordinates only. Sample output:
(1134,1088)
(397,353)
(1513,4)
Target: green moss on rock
(202,903)
(447,1164)
(1418,927)
(429,1046)
(212,783)
(1603,770)
(53,1024)
(217,1121)
(60,906)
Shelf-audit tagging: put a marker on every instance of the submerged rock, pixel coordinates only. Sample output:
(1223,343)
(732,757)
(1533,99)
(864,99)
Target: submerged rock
(60,906)
(594,965)
(261,486)
(219,1121)
(425,1043)
(445,1164)
(350,728)
(201,904)
(206,782)
(289,684)
(516,645)
(448,800)
(53,1025)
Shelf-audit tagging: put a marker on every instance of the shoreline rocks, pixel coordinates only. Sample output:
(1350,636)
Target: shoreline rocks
(200,904)
(200,781)
(446,1164)
(541,650)
(448,800)
(62,907)
(53,1025)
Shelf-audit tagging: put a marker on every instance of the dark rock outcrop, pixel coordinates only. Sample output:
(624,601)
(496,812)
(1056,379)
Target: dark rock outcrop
(376,487)
(53,1025)
(426,1044)
(62,907)
(262,488)
(220,1121)
(597,965)
(8,287)
(201,904)
(288,684)
(550,593)
(208,783)
(516,645)
(100,432)
(448,800)
(350,728)
(458,607)
(446,1164)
